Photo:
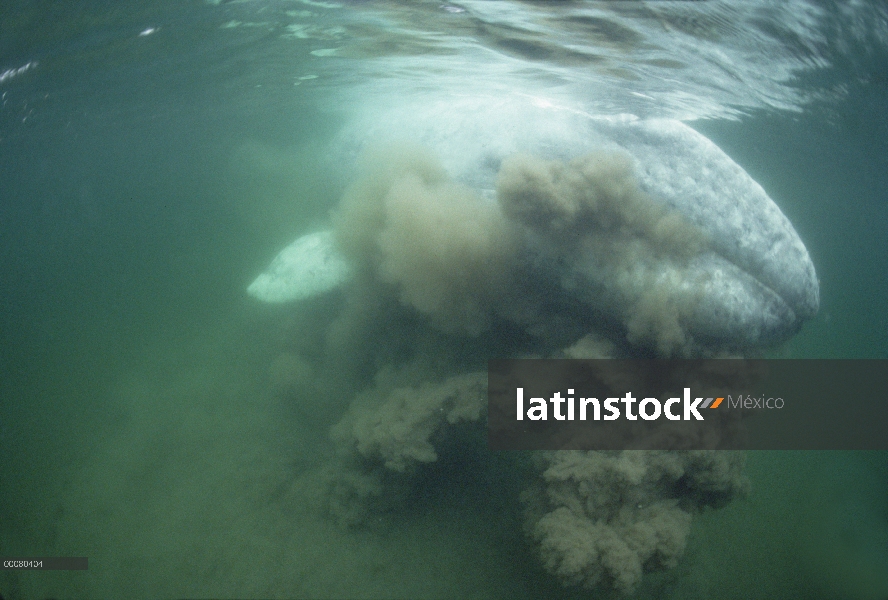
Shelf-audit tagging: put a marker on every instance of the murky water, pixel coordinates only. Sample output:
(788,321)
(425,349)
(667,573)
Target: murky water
(153,159)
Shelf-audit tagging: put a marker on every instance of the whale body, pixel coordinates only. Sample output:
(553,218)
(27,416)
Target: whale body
(752,287)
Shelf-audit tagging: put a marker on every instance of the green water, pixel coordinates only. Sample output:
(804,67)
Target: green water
(140,193)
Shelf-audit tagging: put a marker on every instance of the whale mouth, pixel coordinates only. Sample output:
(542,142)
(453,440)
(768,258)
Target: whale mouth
(744,225)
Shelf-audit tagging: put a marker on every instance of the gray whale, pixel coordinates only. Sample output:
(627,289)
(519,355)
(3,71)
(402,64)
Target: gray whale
(751,287)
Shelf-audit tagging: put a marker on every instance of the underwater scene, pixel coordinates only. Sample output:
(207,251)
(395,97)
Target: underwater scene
(256,254)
